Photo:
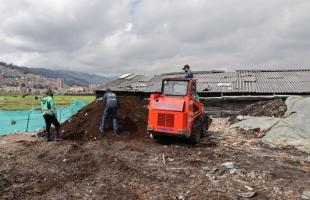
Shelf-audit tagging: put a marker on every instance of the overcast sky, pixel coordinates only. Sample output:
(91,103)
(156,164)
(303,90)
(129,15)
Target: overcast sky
(155,36)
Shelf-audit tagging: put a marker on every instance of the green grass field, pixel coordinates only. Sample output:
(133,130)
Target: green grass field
(24,103)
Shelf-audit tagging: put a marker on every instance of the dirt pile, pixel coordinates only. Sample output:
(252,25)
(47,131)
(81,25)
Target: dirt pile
(132,119)
(272,108)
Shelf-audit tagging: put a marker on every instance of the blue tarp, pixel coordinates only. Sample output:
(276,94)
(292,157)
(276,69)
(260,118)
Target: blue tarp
(32,120)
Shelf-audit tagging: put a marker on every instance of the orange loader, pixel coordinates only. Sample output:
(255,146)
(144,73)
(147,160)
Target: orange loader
(175,111)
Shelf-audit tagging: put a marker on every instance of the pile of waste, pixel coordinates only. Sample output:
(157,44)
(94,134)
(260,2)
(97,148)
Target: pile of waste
(290,130)
(272,108)
(132,119)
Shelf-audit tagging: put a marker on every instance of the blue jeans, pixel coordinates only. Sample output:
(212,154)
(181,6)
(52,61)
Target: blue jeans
(106,114)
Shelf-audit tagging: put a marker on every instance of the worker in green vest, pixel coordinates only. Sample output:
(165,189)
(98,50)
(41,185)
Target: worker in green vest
(48,106)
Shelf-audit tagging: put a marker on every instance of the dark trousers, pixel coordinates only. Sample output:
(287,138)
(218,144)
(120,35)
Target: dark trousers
(106,114)
(49,120)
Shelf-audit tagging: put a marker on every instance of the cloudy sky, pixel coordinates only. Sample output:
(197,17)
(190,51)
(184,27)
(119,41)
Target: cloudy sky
(155,36)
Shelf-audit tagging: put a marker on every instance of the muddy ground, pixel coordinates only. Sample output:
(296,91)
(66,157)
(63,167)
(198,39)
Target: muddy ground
(118,168)
(88,165)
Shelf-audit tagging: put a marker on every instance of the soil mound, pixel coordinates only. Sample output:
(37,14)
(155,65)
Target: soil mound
(132,120)
(272,108)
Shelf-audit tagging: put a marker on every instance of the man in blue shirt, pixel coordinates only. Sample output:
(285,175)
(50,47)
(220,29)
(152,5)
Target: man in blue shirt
(111,105)
(188,72)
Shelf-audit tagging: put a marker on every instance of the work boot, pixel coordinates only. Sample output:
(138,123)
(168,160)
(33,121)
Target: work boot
(48,137)
(58,138)
(115,133)
(101,130)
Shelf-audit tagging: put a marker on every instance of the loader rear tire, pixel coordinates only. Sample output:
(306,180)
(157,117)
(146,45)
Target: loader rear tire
(156,137)
(205,121)
(196,133)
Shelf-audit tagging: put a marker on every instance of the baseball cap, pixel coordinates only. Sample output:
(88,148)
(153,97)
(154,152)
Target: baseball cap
(186,66)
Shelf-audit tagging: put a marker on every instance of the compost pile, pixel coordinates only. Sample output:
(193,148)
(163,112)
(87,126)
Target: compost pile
(132,120)
(272,108)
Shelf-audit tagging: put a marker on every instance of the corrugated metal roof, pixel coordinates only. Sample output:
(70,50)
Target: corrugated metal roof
(239,82)
(125,75)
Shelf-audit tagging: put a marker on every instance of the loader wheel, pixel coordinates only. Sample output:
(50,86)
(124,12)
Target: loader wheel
(196,133)
(204,130)
(206,121)
(155,137)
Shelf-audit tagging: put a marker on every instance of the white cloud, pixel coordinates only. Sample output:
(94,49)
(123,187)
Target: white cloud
(155,36)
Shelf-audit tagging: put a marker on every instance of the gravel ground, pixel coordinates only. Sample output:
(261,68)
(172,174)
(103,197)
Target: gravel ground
(225,165)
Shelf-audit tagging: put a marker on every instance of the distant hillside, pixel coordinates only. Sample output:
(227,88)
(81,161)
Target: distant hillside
(70,77)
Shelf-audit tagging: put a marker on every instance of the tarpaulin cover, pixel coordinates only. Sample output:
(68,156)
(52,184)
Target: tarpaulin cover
(32,120)
(291,130)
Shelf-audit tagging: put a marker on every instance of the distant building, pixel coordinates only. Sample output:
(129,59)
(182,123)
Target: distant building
(20,86)
(92,87)
(60,83)
(76,89)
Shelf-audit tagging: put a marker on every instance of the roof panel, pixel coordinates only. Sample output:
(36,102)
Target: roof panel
(243,81)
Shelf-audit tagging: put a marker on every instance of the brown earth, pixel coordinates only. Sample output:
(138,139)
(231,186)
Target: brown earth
(271,108)
(132,120)
(90,166)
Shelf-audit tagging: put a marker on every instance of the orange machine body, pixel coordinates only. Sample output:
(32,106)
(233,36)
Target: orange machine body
(174,114)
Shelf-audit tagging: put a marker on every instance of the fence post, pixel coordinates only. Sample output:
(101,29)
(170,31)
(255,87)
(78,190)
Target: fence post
(28,121)
(60,115)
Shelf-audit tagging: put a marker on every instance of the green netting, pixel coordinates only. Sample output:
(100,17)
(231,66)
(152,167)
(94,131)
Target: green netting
(32,120)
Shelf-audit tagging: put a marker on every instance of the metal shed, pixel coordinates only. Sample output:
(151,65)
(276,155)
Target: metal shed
(220,83)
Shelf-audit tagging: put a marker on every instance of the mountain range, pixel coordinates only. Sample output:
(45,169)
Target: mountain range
(70,77)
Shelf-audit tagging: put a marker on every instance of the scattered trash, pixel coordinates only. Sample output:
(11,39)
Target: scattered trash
(246,194)
(220,190)
(229,165)
(163,156)
(259,134)
(249,188)
(233,171)
(210,177)
(252,175)
(306,195)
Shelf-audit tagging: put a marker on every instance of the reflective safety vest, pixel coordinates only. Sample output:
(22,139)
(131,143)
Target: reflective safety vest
(48,105)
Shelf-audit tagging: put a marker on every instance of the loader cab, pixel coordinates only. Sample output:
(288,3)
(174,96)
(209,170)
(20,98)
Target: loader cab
(179,87)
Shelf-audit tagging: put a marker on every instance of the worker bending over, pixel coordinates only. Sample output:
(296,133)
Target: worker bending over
(111,105)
